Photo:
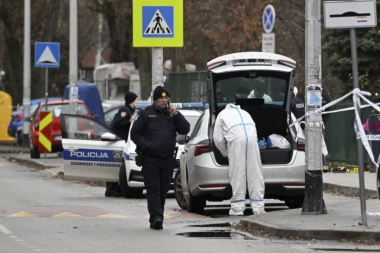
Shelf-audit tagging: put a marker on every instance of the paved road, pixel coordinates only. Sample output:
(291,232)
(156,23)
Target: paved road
(41,214)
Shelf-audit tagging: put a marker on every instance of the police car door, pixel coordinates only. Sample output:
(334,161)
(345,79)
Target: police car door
(91,152)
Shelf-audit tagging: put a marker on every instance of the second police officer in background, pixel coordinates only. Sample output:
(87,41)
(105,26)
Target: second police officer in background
(297,106)
(120,125)
(154,134)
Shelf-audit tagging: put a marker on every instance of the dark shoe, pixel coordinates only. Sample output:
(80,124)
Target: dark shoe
(113,190)
(156,224)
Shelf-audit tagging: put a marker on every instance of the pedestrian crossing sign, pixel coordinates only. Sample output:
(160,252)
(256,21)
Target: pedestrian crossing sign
(158,23)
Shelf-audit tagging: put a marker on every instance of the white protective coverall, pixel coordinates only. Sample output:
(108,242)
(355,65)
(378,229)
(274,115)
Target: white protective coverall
(235,136)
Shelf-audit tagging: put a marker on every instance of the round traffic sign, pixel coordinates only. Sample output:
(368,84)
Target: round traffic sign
(269,16)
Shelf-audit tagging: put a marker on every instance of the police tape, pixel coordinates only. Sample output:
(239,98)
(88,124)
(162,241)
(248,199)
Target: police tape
(358,127)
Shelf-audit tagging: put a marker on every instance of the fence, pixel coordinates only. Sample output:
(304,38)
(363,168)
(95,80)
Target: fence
(340,136)
(187,86)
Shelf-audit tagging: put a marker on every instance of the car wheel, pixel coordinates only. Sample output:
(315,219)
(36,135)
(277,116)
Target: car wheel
(127,191)
(294,202)
(178,192)
(19,138)
(196,204)
(34,152)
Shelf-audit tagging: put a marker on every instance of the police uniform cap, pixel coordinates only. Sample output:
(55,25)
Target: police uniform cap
(130,97)
(160,92)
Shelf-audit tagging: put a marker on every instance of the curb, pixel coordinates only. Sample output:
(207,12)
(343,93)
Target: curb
(52,169)
(308,234)
(348,191)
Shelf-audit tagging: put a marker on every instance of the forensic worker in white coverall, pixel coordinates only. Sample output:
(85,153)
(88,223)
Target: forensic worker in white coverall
(235,136)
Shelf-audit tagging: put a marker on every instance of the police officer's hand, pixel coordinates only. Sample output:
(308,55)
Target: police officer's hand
(173,110)
(133,117)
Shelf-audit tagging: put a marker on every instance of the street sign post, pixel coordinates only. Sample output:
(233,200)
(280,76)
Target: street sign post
(353,15)
(47,55)
(268,38)
(157,24)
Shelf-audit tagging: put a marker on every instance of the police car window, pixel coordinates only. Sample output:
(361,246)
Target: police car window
(59,109)
(110,115)
(268,85)
(197,127)
(84,128)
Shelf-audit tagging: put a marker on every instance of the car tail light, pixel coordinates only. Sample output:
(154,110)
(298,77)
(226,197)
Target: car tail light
(215,64)
(301,146)
(19,117)
(201,149)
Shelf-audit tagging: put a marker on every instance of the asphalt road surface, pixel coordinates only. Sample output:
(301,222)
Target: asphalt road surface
(39,213)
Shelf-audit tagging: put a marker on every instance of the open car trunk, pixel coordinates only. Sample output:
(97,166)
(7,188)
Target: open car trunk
(269,119)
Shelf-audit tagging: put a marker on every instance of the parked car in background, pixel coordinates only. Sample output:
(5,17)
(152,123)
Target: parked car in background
(57,108)
(106,157)
(17,119)
(204,172)
(89,93)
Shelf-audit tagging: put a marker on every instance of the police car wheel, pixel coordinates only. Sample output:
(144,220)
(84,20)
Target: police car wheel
(181,200)
(34,152)
(127,191)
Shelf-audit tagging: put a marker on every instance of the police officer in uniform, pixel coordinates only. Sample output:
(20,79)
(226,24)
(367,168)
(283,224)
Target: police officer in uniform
(297,106)
(120,125)
(154,134)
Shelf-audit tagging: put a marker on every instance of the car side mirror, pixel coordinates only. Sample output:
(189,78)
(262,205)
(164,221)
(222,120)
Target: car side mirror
(28,119)
(109,137)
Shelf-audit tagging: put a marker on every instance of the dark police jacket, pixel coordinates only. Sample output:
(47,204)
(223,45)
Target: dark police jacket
(154,132)
(297,107)
(120,123)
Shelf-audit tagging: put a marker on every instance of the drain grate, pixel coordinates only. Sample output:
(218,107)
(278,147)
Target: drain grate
(214,225)
(219,234)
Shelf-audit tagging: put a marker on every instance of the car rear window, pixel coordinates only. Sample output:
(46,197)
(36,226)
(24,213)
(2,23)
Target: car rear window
(268,85)
(58,109)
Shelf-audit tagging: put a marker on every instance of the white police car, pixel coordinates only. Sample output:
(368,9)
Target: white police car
(92,152)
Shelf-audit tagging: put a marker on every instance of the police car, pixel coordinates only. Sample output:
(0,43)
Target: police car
(92,152)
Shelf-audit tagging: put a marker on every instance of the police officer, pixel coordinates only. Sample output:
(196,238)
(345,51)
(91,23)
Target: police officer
(154,134)
(120,125)
(297,106)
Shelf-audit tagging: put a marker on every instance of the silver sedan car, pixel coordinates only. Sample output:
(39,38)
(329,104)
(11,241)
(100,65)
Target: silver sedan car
(204,172)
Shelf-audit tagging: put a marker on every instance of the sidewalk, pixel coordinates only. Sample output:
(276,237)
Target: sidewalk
(341,221)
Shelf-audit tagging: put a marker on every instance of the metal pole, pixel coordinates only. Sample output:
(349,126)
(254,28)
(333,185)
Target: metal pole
(157,68)
(73,68)
(313,202)
(46,87)
(355,75)
(26,79)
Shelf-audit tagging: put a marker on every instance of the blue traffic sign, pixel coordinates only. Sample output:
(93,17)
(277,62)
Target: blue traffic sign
(47,54)
(158,21)
(269,16)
